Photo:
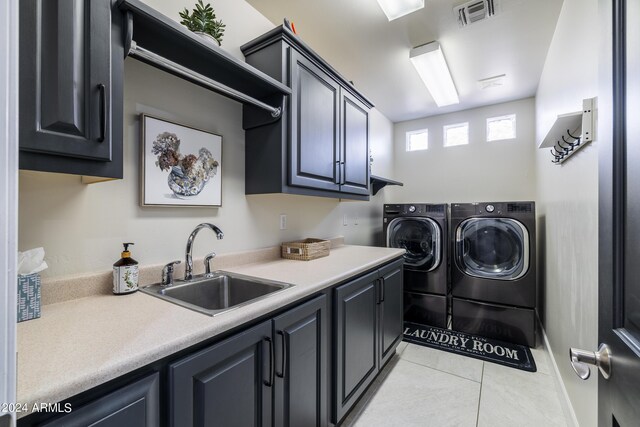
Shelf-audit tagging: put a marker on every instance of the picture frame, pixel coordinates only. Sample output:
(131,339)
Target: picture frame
(181,166)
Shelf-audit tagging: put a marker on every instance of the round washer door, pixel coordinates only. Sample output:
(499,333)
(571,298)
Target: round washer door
(420,237)
(493,248)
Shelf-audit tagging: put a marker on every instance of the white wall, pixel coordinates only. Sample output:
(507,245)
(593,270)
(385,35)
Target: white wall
(568,203)
(82,226)
(480,171)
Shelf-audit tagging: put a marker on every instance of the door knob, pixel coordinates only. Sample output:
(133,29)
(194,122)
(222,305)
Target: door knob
(581,359)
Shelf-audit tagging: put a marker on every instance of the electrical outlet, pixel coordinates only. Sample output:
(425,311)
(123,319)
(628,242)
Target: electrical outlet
(283,221)
(344,219)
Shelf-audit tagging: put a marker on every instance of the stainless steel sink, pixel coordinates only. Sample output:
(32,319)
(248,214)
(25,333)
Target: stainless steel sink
(216,292)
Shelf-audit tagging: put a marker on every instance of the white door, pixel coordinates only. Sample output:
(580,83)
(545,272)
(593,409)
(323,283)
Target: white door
(8,203)
(618,355)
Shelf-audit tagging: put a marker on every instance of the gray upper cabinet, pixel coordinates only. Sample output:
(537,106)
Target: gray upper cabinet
(354,125)
(315,143)
(320,147)
(71,70)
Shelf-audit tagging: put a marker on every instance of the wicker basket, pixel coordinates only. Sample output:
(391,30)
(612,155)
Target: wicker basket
(306,250)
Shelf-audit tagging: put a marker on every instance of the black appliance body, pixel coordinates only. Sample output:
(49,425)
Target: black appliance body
(422,230)
(493,270)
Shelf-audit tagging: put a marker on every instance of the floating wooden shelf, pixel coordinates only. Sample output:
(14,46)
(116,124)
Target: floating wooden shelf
(570,132)
(193,58)
(378,183)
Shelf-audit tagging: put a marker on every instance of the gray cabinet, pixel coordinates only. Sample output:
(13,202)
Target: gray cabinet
(390,311)
(300,388)
(135,405)
(227,384)
(71,70)
(315,141)
(368,328)
(281,371)
(275,372)
(356,340)
(354,157)
(320,147)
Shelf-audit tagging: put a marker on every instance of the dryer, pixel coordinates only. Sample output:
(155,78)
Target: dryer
(421,229)
(493,272)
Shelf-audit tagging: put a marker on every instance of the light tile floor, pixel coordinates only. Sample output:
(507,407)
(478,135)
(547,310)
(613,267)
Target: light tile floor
(424,387)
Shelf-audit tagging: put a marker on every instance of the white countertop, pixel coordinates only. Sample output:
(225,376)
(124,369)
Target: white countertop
(82,343)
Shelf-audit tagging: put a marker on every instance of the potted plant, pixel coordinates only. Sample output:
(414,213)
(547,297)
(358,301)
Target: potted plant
(202,21)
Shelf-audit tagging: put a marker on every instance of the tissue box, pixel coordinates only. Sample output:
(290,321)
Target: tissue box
(28,297)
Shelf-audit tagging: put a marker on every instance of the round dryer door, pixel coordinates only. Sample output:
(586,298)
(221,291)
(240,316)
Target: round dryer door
(422,239)
(493,248)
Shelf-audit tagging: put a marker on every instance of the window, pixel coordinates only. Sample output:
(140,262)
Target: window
(503,127)
(418,140)
(457,134)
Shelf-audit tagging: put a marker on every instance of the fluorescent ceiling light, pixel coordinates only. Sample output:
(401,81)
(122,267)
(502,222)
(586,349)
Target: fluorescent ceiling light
(396,8)
(429,61)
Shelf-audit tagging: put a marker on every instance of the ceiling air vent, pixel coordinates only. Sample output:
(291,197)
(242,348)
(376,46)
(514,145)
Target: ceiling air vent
(474,11)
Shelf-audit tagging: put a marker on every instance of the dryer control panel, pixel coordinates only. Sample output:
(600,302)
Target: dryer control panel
(415,209)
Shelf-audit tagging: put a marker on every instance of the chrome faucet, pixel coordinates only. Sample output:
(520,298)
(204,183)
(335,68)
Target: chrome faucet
(188,268)
(167,274)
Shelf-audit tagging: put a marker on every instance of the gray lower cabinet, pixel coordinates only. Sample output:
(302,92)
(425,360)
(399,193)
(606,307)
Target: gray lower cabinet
(274,373)
(390,311)
(135,405)
(320,146)
(71,84)
(300,388)
(277,372)
(356,342)
(368,328)
(227,384)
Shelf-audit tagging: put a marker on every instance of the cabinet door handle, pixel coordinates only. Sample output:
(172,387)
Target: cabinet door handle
(377,288)
(343,174)
(382,289)
(103,111)
(338,173)
(269,382)
(284,354)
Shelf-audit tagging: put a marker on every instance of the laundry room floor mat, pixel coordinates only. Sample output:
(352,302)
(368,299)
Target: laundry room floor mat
(487,349)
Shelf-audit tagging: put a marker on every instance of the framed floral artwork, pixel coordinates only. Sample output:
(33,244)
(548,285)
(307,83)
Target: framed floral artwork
(181,166)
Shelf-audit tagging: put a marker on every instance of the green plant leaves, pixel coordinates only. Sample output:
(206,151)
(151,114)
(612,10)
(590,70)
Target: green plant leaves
(203,19)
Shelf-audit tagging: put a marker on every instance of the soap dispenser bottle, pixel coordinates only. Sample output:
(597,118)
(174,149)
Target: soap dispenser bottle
(125,273)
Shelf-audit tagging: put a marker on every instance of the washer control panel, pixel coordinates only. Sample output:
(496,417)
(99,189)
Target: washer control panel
(490,208)
(412,209)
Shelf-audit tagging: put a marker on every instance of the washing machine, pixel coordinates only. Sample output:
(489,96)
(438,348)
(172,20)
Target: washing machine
(493,270)
(421,229)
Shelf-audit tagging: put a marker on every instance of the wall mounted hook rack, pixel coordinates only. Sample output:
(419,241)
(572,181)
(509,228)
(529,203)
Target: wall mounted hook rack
(580,123)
